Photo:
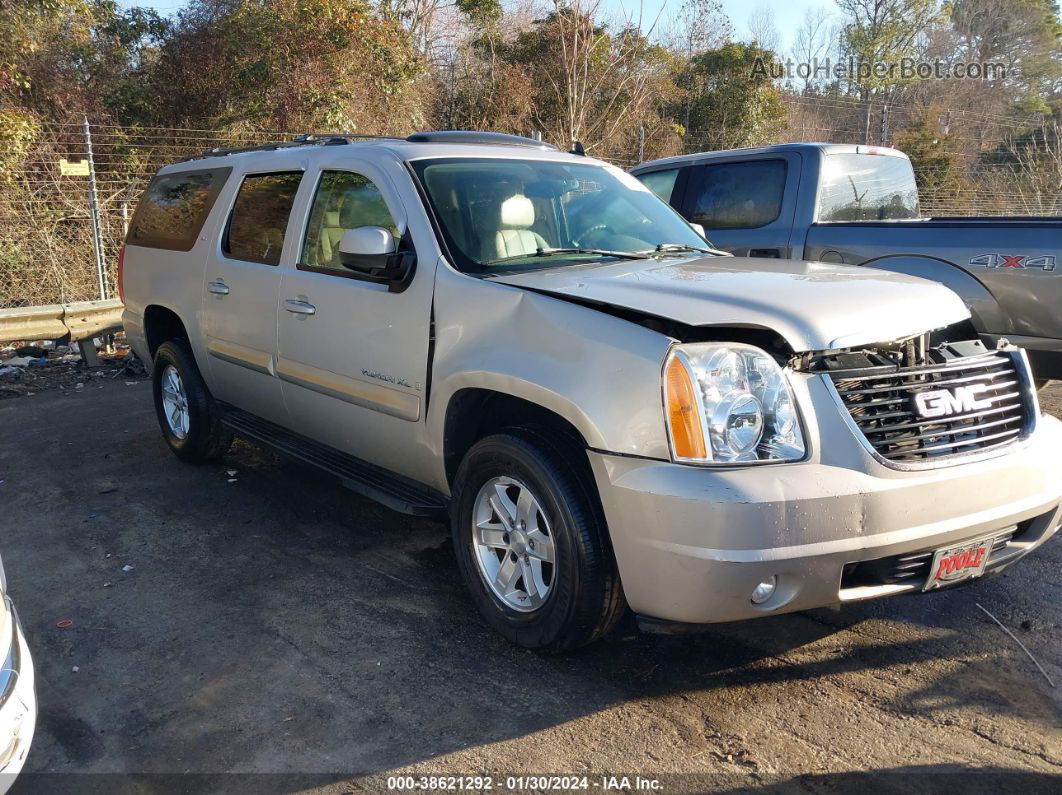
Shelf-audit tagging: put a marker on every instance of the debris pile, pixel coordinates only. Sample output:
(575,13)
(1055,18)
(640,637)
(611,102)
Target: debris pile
(26,369)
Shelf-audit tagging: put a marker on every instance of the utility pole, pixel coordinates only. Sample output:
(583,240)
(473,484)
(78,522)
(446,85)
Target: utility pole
(884,125)
(641,143)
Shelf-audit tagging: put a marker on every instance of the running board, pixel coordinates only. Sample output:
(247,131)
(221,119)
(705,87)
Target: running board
(390,489)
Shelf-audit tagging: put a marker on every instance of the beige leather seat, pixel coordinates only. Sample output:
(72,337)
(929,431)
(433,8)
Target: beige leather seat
(331,234)
(515,237)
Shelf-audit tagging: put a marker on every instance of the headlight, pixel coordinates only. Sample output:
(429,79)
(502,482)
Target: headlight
(729,403)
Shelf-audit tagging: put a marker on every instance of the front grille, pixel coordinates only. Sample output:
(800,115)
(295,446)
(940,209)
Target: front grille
(883,406)
(913,568)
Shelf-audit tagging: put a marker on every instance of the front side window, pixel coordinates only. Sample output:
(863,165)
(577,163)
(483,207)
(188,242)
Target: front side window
(344,201)
(502,214)
(259,217)
(738,195)
(174,207)
(864,187)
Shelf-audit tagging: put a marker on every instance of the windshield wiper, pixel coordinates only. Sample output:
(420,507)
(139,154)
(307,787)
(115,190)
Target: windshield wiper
(550,252)
(664,248)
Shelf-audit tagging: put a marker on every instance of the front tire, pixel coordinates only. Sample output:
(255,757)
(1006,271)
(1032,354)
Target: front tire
(531,542)
(187,414)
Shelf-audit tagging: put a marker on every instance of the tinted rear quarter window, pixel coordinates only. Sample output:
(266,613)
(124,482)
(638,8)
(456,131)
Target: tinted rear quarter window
(259,219)
(864,187)
(174,207)
(737,195)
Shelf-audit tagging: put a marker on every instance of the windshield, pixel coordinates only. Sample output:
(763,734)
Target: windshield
(863,187)
(500,214)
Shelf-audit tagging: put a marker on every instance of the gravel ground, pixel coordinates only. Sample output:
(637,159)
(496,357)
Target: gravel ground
(296,637)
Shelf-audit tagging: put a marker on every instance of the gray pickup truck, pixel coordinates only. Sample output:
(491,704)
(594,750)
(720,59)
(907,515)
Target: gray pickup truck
(858,205)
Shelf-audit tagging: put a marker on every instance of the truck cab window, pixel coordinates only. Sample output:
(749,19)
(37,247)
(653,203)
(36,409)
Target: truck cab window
(865,187)
(662,183)
(737,195)
(344,201)
(259,217)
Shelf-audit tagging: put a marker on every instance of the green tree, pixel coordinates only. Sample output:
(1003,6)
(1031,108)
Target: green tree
(729,102)
(938,171)
(59,58)
(336,65)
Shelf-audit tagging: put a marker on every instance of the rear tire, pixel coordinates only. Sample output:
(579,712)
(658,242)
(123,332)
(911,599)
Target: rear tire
(575,599)
(187,414)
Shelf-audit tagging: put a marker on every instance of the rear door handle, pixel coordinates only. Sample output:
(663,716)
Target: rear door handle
(298,307)
(218,288)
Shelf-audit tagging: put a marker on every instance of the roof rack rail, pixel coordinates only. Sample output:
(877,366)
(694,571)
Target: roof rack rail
(306,139)
(476,137)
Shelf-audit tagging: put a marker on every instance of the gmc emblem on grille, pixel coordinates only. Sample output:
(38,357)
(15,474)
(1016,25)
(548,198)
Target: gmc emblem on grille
(942,402)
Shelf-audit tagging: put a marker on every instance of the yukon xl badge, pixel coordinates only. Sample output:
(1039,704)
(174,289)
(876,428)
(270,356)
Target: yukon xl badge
(943,402)
(1045,262)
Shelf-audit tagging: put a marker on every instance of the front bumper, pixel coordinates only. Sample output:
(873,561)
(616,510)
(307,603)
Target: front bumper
(18,710)
(692,543)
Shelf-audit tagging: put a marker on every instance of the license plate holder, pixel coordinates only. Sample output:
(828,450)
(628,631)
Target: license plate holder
(959,562)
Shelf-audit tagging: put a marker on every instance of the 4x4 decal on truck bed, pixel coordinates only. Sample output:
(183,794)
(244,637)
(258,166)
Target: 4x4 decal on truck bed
(1045,261)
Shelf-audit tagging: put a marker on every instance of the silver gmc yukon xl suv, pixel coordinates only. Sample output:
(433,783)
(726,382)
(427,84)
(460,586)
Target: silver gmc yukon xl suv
(609,412)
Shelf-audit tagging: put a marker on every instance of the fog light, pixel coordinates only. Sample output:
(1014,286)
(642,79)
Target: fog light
(765,590)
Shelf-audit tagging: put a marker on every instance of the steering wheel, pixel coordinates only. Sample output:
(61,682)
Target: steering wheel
(587,232)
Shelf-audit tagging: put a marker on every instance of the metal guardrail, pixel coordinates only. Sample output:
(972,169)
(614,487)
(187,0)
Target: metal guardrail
(78,321)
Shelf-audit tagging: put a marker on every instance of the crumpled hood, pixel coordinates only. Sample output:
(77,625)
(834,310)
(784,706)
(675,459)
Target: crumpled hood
(813,305)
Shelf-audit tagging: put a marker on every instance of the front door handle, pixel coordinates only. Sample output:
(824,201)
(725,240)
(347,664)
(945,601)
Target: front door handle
(298,307)
(218,288)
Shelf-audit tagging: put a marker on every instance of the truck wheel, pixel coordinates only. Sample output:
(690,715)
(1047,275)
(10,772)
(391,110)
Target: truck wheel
(532,544)
(190,421)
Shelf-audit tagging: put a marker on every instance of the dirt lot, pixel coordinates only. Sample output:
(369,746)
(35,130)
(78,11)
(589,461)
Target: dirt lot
(274,623)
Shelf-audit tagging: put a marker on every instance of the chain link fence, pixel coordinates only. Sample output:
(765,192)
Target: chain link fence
(69,180)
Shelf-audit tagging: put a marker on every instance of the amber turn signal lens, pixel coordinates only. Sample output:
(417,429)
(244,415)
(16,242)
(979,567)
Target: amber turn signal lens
(687,434)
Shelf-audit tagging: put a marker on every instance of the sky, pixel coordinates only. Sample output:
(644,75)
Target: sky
(788,14)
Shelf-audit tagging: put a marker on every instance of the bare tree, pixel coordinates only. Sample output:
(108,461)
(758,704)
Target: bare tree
(762,30)
(700,25)
(601,82)
(1037,169)
(814,40)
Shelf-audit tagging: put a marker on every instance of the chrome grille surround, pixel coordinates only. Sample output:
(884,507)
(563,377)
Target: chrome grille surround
(876,404)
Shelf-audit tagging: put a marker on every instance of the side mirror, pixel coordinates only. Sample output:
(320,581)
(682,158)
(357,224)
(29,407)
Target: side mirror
(699,230)
(371,251)
(366,248)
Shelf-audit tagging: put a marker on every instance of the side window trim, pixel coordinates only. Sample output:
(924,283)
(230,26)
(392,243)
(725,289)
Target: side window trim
(223,238)
(696,176)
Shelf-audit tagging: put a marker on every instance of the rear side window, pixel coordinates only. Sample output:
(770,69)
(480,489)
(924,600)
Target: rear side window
(259,217)
(737,195)
(864,187)
(662,183)
(174,207)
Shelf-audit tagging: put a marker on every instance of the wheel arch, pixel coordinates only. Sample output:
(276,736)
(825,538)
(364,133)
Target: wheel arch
(161,324)
(475,412)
